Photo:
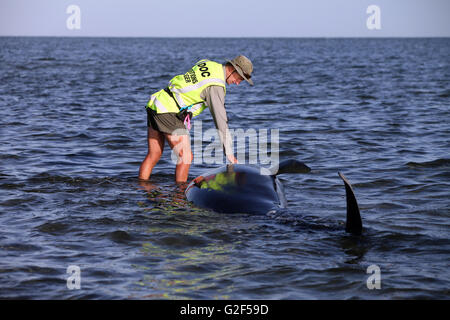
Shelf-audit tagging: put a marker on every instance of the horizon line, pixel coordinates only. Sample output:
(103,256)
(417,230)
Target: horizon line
(224,37)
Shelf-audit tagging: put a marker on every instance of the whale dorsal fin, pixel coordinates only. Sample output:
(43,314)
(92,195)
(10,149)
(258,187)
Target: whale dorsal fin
(290,166)
(354,223)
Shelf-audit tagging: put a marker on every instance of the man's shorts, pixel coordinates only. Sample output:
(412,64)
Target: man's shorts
(165,122)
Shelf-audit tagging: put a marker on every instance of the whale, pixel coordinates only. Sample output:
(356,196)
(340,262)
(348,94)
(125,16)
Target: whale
(239,188)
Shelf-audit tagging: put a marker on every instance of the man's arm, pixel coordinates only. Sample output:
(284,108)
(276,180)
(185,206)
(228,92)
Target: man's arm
(215,99)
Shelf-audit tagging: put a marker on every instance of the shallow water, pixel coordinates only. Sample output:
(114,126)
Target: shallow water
(73,134)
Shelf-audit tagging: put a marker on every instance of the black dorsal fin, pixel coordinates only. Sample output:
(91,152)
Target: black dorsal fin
(354,222)
(290,166)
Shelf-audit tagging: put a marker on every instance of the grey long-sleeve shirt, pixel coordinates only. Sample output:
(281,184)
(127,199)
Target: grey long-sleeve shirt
(215,99)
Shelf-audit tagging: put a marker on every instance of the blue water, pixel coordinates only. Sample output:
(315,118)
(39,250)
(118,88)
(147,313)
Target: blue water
(73,134)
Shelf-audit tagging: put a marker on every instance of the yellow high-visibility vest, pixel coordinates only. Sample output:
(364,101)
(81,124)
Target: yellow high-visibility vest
(186,89)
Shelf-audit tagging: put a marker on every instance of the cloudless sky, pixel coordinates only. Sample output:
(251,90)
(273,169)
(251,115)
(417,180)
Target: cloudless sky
(231,18)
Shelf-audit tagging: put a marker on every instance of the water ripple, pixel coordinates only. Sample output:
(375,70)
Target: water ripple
(74,132)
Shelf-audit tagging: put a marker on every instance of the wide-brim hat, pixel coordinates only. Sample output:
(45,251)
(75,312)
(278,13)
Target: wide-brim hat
(244,67)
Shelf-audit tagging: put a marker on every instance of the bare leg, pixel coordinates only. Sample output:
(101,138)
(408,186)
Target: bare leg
(155,141)
(181,146)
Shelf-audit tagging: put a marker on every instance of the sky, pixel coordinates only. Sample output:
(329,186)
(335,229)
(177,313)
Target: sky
(231,18)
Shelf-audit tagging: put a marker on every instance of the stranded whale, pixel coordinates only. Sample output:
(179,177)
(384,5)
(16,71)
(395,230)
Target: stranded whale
(246,189)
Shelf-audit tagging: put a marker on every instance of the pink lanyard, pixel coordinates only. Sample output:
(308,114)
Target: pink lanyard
(187,120)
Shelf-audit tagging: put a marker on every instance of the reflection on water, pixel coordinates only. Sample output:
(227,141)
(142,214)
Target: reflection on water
(186,255)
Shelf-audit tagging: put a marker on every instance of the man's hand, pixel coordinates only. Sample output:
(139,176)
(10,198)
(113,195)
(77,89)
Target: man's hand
(232,159)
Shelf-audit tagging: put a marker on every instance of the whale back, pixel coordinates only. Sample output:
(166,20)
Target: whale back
(235,188)
(244,189)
